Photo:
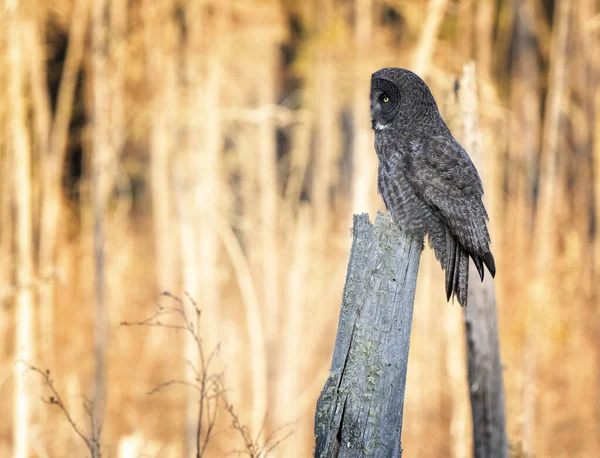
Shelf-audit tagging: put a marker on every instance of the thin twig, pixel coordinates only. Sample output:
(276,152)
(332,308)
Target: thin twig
(56,400)
(162,385)
(209,385)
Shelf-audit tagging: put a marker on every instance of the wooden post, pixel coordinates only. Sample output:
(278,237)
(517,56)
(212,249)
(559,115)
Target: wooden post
(359,412)
(486,387)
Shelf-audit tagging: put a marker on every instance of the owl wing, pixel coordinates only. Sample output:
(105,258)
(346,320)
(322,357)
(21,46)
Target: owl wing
(443,175)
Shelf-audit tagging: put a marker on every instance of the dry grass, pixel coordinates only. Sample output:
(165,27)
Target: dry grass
(236,146)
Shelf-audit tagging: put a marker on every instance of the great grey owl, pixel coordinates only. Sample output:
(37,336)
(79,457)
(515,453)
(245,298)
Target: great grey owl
(427,180)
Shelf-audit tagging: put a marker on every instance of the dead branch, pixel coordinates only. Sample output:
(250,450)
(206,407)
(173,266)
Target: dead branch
(209,385)
(91,442)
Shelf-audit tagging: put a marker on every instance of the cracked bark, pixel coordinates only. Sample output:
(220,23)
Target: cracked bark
(359,412)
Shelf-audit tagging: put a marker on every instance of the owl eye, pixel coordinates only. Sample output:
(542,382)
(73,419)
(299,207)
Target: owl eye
(385,98)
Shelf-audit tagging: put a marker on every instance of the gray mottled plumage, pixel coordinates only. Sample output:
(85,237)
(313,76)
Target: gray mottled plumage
(426,179)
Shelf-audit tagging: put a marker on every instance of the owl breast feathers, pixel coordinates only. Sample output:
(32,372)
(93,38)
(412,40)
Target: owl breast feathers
(427,180)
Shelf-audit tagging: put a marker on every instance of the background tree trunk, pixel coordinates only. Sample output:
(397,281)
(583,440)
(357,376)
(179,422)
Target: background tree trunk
(429,33)
(364,162)
(53,160)
(100,154)
(161,58)
(21,161)
(486,385)
(544,244)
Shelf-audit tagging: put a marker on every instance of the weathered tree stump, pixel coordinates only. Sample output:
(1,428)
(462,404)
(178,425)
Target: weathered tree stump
(359,412)
(486,387)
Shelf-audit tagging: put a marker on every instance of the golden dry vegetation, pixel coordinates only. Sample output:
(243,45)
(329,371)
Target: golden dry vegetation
(220,149)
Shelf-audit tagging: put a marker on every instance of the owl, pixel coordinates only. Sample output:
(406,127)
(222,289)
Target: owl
(426,179)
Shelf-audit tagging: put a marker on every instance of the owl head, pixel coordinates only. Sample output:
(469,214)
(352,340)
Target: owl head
(400,98)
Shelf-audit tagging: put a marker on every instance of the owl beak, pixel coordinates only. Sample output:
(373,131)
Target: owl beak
(375,111)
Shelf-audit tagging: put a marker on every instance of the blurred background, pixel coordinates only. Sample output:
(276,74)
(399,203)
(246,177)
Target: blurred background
(220,149)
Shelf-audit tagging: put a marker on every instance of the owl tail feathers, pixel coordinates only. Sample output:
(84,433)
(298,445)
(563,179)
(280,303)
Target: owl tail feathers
(454,259)
(457,271)
(456,266)
(488,260)
(450,265)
